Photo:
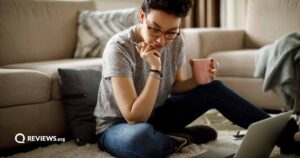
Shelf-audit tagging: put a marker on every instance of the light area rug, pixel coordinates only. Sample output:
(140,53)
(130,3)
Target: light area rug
(71,150)
(213,118)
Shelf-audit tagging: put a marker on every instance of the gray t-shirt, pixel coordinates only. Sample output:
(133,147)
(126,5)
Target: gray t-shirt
(120,58)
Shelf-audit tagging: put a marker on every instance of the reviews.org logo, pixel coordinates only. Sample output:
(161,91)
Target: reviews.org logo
(21,138)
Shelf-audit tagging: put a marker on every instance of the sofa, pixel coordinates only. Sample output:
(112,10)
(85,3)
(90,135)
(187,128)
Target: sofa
(38,37)
(236,49)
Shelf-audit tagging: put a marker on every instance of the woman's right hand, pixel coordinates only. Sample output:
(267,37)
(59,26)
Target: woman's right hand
(150,55)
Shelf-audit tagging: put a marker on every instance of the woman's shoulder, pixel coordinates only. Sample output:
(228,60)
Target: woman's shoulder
(120,43)
(179,40)
(122,37)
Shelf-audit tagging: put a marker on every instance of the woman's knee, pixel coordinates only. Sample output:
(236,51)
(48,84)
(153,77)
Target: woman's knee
(139,140)
(215,84)
(128,133)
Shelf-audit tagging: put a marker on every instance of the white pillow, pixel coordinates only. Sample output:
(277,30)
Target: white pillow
(97,27)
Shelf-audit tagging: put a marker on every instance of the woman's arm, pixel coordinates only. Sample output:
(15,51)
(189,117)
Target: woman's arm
(135,109)
(180,85)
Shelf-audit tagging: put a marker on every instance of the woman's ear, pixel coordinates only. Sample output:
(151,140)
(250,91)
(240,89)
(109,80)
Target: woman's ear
(141,16)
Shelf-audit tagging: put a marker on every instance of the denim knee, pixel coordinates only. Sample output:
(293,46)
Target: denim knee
(154,143)
(139,140)
(215,84)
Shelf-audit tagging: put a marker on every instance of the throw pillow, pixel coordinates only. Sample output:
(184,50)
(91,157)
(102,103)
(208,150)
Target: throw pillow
(97,27)
(79,88)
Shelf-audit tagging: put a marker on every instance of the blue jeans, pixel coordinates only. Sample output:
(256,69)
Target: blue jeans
(149,139)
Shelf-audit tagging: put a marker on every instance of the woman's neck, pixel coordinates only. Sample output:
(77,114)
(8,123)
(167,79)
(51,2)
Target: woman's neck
(138,35)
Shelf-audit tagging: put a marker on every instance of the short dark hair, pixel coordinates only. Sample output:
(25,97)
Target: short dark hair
(179,8)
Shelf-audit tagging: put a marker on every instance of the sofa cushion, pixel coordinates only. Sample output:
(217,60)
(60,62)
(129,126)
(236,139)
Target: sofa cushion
(79,88)
(42,119)
(267,20)
(18,86)
(97,27)
(250,89)
(50,68)
(240,63)
(35,30)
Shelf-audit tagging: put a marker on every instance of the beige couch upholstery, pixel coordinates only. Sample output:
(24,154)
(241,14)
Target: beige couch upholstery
(36,38)
(266,21)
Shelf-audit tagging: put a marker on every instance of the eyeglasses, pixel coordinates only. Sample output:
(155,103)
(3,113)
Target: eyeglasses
(156,32)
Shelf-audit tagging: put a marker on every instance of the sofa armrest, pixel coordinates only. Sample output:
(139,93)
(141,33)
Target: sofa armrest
(199,43)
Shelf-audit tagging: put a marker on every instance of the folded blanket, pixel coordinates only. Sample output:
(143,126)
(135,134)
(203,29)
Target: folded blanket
(276,63)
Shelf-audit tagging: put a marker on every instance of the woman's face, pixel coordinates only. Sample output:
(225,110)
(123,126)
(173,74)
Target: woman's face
(159,28)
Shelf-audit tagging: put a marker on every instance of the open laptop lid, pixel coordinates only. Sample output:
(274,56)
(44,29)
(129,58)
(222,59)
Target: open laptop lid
(261,137)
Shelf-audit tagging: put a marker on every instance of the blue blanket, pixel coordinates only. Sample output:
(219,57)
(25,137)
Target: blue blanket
(276,63)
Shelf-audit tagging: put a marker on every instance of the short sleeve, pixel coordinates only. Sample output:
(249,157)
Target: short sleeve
(116,60)
(181,54)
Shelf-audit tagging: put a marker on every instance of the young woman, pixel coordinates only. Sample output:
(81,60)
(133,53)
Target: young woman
(143,99)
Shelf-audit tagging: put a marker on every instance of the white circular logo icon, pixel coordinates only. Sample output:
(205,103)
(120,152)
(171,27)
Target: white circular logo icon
(20,138)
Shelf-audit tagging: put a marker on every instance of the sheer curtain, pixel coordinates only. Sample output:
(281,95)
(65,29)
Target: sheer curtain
(117,4)
(204,13)
(233,13)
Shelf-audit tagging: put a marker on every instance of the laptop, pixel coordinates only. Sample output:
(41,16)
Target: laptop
(257,143)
